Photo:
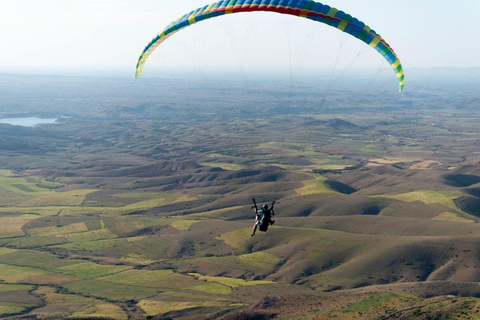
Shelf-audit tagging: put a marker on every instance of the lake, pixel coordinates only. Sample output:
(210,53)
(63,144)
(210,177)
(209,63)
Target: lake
(28,122)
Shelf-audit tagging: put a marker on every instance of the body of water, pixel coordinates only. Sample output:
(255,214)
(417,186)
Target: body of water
(28,122)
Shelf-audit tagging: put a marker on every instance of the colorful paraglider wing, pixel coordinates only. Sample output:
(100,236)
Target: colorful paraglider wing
(303,8)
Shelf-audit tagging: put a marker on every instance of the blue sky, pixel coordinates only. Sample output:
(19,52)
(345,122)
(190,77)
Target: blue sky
(58,34)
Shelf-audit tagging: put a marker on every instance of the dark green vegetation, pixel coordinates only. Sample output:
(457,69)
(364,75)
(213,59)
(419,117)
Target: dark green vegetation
(137,204)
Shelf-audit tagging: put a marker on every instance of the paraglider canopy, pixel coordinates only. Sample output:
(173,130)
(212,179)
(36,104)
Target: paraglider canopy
(302,8)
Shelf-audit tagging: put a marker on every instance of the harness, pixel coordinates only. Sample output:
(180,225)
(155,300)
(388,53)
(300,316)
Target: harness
(264,219)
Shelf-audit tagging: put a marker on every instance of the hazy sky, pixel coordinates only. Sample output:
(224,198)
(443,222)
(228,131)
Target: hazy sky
(111,33)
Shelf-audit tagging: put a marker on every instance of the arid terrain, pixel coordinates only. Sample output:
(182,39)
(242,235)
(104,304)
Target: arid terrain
(137,204)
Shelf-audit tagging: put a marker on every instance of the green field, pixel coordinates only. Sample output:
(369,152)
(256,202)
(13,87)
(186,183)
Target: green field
(80,237)
(6,251)
(140,249)
(60,199)
(255,262)
(91,270)
(95,245)
(47,231)
(223,165)
(101,310)
(232,282)
(364,305)
(76,306)
(429,197)
(183,225)
(111,291)
(159,279)
(36,259)
(151,307)
(216,214)
(211,288)
(453,217)
(11,226)
(15,274)
(7,308)
(147,278)
(314,186)
(23,196)
(14,287)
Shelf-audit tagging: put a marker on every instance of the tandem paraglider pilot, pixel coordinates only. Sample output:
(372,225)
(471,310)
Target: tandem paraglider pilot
(263,217)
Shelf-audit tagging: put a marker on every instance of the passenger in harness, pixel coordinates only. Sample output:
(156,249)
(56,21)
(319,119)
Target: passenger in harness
(263,217)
